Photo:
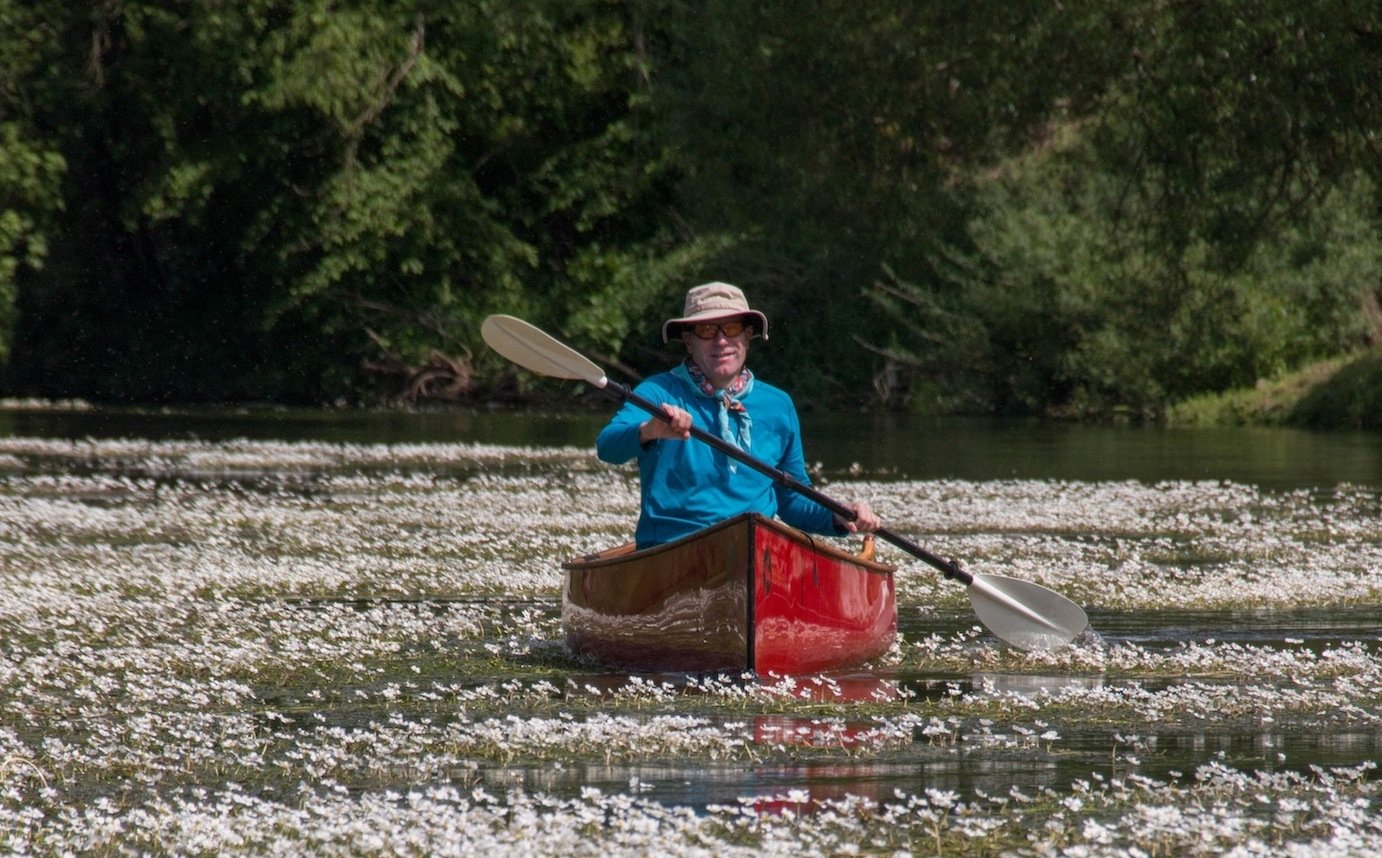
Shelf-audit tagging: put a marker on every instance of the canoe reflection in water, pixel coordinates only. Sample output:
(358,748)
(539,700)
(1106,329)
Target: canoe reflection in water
(788,786)
(748,594)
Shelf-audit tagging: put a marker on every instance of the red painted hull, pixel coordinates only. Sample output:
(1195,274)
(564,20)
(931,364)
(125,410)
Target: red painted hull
(747,594)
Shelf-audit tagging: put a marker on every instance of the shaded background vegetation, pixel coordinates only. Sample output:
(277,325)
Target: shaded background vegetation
(1001,206)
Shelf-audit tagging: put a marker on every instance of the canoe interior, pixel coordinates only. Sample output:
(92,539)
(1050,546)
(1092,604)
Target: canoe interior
(747,594)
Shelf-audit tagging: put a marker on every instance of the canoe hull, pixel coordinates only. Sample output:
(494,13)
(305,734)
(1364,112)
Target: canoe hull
(747,594)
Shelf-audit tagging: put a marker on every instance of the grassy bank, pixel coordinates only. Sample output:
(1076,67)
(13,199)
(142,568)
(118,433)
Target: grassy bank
(1341,393)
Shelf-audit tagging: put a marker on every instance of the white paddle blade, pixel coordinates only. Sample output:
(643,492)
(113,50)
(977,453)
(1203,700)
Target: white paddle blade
(1026,615)
(537,351)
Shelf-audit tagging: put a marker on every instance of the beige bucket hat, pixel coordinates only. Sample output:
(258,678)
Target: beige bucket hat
(711,302)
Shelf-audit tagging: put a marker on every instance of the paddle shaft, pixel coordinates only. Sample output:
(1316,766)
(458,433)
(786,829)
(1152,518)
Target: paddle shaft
(949,568)
(1025,615)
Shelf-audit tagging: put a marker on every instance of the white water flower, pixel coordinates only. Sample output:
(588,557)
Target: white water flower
(331,627)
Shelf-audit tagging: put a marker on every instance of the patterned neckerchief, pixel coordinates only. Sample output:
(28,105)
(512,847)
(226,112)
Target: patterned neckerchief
(729,400)
(741,385)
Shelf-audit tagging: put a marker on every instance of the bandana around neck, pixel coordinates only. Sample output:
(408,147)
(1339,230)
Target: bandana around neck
(729,400)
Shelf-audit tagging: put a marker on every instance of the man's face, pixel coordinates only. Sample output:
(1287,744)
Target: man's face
(720,356)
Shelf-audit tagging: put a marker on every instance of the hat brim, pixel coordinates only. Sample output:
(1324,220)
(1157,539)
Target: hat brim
(672,327)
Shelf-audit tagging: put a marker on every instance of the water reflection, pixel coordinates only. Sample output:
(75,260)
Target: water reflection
(971,449)
(1034,684)
(875,446)
(820,688)
(993,757)
(968,768)
(1171,753)
(1314,629)
(800,787)
(343,426)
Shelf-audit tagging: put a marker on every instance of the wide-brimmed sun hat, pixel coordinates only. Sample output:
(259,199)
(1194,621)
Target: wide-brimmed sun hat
(711,302)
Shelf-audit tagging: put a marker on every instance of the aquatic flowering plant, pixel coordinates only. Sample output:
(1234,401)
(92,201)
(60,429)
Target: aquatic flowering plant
(252,647)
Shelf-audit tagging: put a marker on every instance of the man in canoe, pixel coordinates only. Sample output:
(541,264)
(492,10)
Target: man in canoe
(689,486)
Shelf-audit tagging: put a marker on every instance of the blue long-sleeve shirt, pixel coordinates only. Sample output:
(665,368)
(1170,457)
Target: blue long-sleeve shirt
(689,485)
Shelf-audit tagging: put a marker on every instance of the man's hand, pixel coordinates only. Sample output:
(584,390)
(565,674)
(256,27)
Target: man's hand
(865,521)
(654,429)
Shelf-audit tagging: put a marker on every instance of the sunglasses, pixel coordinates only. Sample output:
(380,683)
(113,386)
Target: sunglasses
(709,330)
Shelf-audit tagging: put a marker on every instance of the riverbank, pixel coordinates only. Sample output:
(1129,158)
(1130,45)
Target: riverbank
(1341,393)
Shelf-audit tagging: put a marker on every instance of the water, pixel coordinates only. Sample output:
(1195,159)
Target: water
(1172,750)
(877,446)
(279,635)
(988,450)
(298,424)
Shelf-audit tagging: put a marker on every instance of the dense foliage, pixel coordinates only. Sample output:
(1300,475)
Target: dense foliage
(1023,207)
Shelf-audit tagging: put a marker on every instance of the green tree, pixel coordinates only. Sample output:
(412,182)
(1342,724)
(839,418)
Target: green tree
(263,195)
(1086,205)
(816,140)
(30,169)
(1231,115)
(1208,219)
(1079,316)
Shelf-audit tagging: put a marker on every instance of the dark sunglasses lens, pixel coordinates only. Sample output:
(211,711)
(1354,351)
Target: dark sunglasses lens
(708,330)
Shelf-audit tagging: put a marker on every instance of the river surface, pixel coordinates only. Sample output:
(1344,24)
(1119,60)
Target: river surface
(363,619)
(1172,749)
(876,446)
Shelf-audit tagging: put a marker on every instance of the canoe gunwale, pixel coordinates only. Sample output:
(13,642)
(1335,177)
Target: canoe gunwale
(711,601)
(628,551)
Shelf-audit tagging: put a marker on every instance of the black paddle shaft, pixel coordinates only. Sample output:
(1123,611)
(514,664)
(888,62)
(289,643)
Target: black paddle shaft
(949,568)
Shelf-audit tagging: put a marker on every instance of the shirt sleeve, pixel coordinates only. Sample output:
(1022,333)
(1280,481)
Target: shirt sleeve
(794,507)
(618,442)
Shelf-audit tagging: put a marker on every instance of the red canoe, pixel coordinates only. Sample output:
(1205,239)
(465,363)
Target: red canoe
(749,593)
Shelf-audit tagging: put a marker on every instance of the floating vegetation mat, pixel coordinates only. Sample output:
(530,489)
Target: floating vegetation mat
(271,648)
